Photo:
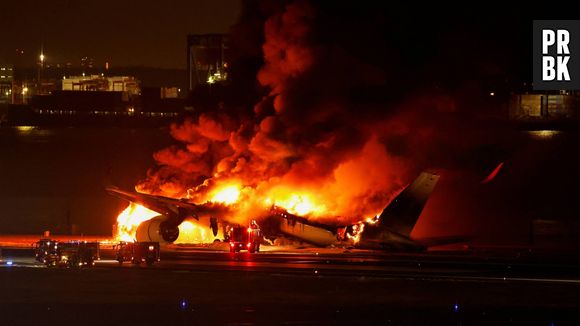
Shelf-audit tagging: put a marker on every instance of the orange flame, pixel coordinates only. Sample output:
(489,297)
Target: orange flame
(296,203)
(192,232)
(227,195)
(357,231)
(129,220)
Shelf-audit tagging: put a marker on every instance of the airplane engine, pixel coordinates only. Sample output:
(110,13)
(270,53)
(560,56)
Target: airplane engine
(157,229)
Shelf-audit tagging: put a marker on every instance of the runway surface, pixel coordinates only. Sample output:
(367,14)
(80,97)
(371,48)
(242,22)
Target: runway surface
(296,286)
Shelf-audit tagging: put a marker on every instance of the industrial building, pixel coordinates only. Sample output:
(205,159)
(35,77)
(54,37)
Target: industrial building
(556,105)
(6,83)
(55,94)
(129,86)
(207,59)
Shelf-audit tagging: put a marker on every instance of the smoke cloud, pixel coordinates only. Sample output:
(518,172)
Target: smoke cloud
(339,121)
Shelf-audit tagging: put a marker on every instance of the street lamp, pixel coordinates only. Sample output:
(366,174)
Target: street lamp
(40,68)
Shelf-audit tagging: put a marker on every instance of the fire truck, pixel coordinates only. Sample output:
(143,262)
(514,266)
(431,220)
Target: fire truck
(138,252)
(43,248)
(242,238)
(72,254)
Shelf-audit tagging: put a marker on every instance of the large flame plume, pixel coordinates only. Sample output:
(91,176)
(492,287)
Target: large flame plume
(129,219)
(227,195)
(190,231)
(322,159)
(319,160)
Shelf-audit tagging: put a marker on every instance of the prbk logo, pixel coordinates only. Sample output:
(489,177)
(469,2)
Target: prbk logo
(556,47)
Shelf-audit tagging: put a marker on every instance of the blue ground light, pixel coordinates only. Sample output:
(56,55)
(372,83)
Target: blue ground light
(183,304)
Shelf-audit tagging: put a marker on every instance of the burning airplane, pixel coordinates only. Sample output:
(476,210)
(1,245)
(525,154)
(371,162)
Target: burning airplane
(317,158)
(158,218)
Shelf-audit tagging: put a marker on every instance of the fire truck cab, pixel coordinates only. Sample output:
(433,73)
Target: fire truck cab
(43,248)
(73,254)
(78,253)
(137,252)
(242,238)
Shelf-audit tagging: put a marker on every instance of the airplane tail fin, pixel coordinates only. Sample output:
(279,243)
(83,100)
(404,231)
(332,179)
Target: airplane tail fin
(401,215)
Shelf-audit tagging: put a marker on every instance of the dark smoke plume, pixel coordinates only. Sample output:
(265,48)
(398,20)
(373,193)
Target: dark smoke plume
(352,103)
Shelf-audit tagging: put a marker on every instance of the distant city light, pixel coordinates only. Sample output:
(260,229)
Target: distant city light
(26,129)
(216,77)
(492,94)
(543,134)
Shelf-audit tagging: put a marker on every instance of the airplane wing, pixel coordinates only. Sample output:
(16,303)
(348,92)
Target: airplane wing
(175,209)
(172,213)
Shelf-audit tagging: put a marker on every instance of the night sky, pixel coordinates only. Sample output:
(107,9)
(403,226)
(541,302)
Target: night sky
(125,33)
